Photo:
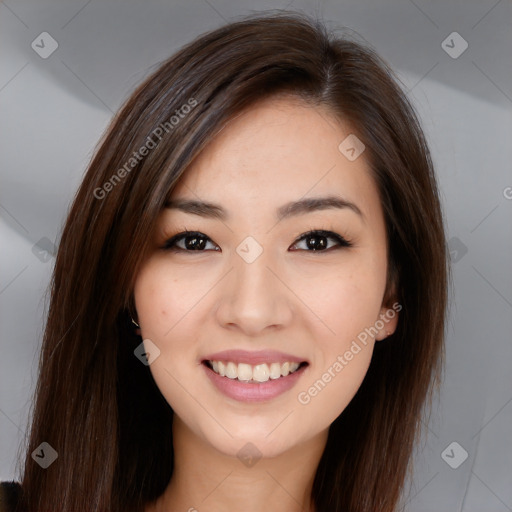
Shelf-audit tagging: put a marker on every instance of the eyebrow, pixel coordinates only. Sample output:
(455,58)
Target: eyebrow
(291,209)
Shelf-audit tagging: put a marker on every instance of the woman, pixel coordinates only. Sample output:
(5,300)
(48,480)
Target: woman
(248,302)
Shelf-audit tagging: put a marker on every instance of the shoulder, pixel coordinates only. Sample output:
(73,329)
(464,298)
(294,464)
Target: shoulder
(9,493)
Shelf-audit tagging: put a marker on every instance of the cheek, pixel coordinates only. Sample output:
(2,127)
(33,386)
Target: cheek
(348,304)
(328,391)
(345,300)
(164,295)
(162,306)
(165,299)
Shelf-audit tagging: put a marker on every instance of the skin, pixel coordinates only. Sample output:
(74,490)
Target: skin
(312,304)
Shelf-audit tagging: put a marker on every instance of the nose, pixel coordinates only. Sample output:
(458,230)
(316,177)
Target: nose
(253,297)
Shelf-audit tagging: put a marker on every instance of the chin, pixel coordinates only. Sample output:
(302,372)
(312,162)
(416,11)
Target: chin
(261,442)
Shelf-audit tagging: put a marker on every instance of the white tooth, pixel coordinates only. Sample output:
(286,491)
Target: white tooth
(275,371)
(261,372)
(231,371)
(244,371)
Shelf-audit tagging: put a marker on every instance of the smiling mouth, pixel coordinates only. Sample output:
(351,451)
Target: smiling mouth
(253,374)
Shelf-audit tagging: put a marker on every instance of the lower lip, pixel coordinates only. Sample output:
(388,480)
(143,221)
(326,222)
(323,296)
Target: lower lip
(253,392)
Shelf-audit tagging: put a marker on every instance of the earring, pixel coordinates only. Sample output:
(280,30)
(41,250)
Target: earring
(137,330)
(388,333)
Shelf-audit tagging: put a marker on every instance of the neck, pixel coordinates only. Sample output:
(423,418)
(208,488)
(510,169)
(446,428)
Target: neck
(206,479)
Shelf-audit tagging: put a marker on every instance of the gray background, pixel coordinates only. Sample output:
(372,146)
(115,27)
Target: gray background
(54,110)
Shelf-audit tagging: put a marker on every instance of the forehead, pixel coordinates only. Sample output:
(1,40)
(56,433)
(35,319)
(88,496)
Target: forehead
(279,150)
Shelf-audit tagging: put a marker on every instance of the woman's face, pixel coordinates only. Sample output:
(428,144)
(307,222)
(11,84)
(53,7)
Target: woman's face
(250,292)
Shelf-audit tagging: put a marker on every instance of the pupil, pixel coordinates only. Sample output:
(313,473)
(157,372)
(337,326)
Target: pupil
(191,240)
(315,245)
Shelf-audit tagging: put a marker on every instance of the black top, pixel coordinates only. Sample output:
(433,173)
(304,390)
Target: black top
(9,492)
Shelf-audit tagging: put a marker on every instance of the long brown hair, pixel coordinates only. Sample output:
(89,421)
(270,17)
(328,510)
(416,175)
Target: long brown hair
(97,405)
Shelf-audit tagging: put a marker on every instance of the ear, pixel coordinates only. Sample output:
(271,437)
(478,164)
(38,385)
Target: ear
(387,321)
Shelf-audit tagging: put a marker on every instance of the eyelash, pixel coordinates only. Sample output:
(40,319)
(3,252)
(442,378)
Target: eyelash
(342,242)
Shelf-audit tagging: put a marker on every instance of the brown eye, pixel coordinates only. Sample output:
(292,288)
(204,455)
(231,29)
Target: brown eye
(317,240)
(193,241)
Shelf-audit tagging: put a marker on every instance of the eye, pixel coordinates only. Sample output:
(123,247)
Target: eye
(194,241)
(315,241)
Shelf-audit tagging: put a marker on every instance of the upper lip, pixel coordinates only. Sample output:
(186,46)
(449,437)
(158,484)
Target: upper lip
(254,357)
